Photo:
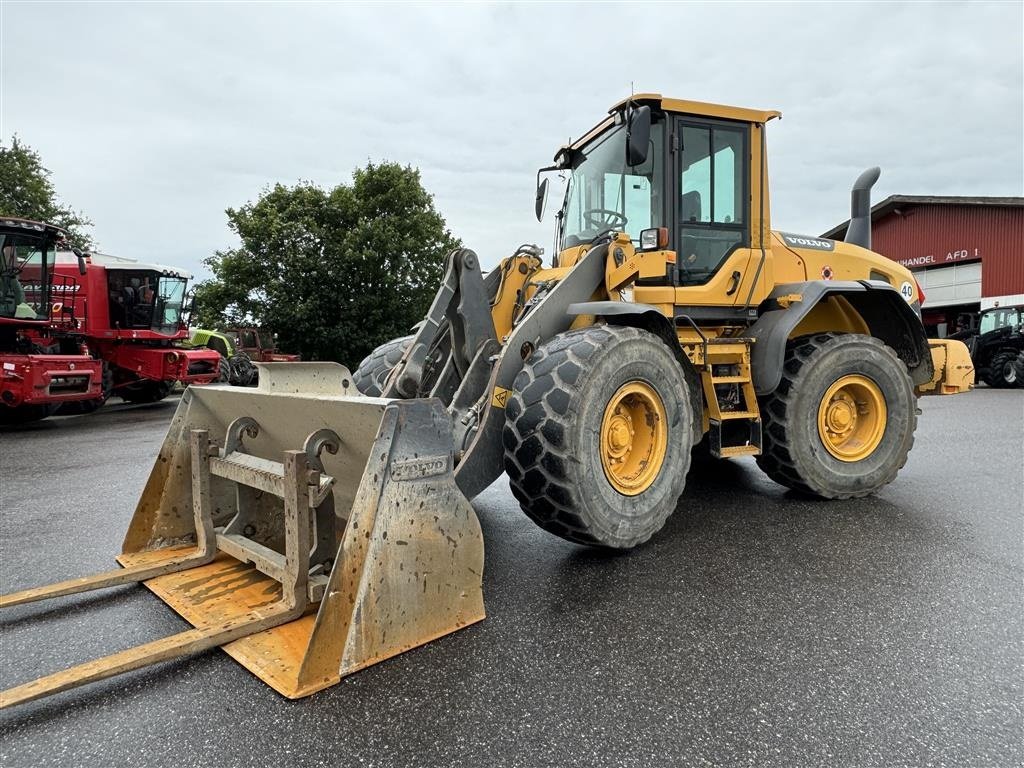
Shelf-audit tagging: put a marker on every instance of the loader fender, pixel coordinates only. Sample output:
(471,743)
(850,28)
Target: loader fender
(650,319)
(884,311)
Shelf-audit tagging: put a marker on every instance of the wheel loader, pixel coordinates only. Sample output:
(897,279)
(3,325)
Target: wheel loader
(312,530)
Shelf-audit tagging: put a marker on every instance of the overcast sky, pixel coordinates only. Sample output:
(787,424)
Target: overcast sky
(156,117)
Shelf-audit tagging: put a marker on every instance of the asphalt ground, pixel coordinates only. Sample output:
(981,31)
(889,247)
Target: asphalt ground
(756,629)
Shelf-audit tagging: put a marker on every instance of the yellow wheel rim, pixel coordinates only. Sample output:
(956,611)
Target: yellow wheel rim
(851,418)
(634,438)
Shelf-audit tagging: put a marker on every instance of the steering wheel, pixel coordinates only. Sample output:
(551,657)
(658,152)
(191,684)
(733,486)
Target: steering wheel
(609,219)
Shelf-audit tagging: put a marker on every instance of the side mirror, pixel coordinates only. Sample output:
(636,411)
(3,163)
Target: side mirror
(542,199)
(82,267)
(638,136)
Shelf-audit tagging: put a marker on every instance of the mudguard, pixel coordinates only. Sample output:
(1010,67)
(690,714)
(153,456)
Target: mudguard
(885,312)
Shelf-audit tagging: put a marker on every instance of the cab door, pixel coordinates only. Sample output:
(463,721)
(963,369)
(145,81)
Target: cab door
(712,232)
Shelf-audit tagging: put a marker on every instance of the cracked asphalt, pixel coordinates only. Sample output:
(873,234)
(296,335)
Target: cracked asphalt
(757,629)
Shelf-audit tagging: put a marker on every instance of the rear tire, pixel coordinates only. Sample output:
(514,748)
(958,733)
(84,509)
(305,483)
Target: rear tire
(371,374)
(223,371)
(1003,370)
(797,417)
(1018,367)
(577,467)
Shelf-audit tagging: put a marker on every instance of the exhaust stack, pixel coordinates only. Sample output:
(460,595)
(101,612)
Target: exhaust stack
(859,230)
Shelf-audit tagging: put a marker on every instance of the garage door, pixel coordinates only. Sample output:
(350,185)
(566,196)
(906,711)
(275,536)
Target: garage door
(958,284)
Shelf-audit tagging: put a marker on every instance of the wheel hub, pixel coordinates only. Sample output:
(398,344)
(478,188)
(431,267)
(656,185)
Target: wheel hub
(851,418)
(634,438)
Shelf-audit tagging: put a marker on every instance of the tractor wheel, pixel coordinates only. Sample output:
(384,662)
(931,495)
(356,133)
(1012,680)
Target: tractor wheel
(146,391)
(371,374)
(598,435)
(82,407)
(1018,368)
(242,372)
(842,420)
(1003,370)
(223,371)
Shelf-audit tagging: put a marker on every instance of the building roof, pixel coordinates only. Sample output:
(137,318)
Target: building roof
(894,202)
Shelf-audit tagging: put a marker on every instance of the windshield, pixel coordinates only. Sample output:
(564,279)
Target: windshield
(170,303)
(24,277)
(998,318)
(603,193)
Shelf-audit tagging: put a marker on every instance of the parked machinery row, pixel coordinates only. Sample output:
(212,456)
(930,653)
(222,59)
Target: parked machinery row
(77,327)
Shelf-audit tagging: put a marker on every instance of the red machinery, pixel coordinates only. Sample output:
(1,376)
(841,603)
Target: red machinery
(42,363)
(260,345)
(133,322)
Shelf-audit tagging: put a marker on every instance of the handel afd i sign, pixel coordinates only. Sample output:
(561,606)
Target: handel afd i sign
(932,259)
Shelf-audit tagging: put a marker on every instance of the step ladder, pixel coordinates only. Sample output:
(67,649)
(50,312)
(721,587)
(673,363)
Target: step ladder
(733,416)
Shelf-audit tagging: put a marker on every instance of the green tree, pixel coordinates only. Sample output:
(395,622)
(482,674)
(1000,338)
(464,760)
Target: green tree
(334,272)
(27,192)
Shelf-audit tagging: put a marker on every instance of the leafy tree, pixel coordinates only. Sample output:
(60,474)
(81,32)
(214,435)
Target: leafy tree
(27,192)
(334,272)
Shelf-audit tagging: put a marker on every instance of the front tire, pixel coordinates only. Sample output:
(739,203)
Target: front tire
(842,421)
(25,414)
(598,435)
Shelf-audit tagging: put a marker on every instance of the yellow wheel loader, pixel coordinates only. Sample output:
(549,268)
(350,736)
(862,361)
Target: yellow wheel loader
(312,530)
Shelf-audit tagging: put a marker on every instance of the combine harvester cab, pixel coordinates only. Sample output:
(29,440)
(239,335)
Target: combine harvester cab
(133,321)
(309,530)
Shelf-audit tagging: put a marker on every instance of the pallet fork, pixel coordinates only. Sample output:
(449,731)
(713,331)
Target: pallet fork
(307,564)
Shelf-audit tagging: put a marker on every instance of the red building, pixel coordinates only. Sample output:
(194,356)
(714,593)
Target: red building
(967,253)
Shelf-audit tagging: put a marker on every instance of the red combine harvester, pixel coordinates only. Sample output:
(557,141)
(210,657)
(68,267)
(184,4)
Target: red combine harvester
(43,363)
(133,323)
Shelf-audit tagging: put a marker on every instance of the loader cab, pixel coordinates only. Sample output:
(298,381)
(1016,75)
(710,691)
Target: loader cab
(700,192)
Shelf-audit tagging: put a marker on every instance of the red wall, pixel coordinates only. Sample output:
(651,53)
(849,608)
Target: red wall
(958,233)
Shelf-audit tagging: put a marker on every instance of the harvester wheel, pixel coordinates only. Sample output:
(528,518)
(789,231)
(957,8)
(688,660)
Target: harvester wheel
(842,420)
(25,414)
(371,374)
(1003,370)
(598,434)
(147,391)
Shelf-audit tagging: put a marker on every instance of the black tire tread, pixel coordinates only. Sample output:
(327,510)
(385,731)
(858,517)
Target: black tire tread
(996,365)
(542,408)
(375,366)
(776,459)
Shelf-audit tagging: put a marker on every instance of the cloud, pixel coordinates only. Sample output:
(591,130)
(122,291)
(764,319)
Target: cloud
(156,117)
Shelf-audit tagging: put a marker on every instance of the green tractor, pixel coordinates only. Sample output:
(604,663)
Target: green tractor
(239,348)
